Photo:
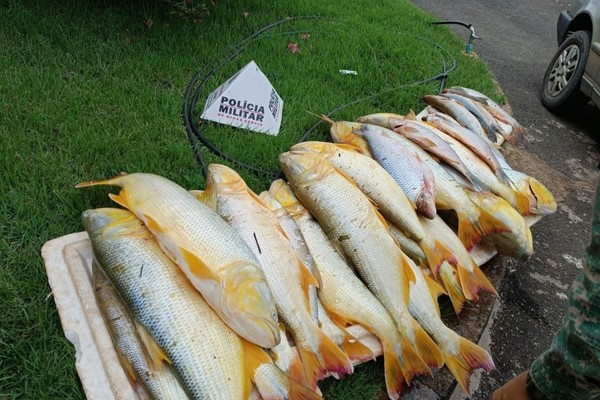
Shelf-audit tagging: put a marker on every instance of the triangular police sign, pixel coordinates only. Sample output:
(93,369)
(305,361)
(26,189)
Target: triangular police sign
(246,100)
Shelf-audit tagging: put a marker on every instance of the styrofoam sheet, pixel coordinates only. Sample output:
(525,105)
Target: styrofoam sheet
(68,266)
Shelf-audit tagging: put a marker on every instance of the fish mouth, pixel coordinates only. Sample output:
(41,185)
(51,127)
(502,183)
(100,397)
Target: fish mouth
(250,305)
(545,203)
(102,220)
(224,178)
(304,165)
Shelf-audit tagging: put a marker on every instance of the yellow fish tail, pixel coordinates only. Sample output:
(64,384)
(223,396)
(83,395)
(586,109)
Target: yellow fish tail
(473,281)
(356,351)
(428,350)
(334,359)
(394,377)
(469,357)
(450,279)
(436,255)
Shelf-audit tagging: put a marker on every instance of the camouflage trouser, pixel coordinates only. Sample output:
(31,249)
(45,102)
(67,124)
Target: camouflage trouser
(570,369)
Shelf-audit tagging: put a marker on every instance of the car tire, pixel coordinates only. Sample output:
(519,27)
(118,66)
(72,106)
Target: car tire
(561,85)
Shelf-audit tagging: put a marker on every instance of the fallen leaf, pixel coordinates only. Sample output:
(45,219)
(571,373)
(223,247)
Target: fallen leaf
(305,36)
(149,23)
(245,14)
(293,48)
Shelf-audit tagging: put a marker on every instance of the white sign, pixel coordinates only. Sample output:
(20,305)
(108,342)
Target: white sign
(246,100)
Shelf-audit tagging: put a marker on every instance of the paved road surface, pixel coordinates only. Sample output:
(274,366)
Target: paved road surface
(519,38)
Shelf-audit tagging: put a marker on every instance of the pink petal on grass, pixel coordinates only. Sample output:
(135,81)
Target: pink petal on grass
(293,48)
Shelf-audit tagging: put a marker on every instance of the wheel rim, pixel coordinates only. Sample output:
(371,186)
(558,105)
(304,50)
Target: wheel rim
(563,69)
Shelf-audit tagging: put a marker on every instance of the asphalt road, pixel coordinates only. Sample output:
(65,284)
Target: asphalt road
(519,39)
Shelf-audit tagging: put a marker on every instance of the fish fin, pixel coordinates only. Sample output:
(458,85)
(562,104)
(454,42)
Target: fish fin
(429,351)
(409,275)
(254,357)
(104,182)
(394,376)
(334,359)
(510,137)
(299,391)
(436,255)
(313,371)
(196,266)
(453,287)
(411,115)
(128,368)
(297,371)
(411,363)
(208,196)
(338,319)
(156,353)
(349,147)
(381,218)
(357,352)
(470,232)
(307,279)
(119,199)
(472,282)
(436,290)
(469,358)
(152,224)
(522,204)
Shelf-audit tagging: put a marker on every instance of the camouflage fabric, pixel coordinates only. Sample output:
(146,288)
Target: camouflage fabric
(570,369)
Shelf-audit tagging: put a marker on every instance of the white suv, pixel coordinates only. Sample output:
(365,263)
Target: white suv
(573,75)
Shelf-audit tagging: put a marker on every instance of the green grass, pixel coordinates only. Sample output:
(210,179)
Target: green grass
(88,90)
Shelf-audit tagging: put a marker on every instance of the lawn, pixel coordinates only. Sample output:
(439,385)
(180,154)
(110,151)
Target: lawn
(93,88)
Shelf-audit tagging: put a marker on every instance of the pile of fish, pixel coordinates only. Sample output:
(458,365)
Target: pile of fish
(220,290)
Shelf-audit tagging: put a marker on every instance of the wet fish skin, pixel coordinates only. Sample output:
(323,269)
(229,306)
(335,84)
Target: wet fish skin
(345,297)
(414,177)
(294,235)
(206,354)
(461,356)
(349,219)
(286,275)
(494,108)
(211,254)
(153,372)
(486,120)
(374,181)
(479,145)
(457,111)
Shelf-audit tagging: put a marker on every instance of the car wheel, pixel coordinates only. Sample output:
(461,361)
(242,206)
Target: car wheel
(562,80)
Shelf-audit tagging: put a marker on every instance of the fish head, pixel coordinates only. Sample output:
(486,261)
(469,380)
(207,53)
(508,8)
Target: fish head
(350,133)
(380,119)
(545,203)
(425,203)
(325,149)
(107,222)
(249,302)
(284,194)
(224,180)
(303,167)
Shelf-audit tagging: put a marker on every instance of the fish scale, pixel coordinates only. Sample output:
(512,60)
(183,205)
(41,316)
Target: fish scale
(210,253)
(204,351)
(349,219)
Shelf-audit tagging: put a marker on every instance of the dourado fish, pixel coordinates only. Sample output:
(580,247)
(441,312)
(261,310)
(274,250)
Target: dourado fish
(456,111)
(346,297)
(142,358)
(473,222)
(211,360)
(350,220)
(210,253)
(470,276)
(374,181)
(493,108)
(291,230)
(288,278)
(461,356)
